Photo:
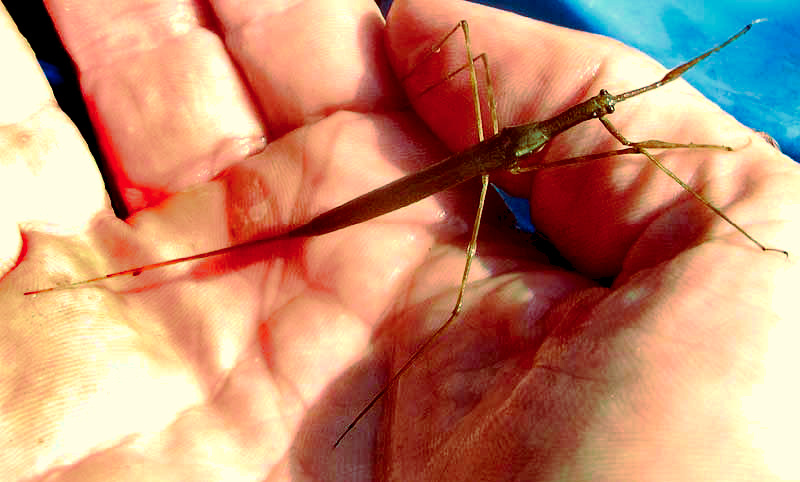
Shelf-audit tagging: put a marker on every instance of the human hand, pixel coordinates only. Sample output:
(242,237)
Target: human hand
(239,368)
(677,371)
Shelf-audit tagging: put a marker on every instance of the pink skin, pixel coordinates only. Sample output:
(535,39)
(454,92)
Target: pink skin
(249,369)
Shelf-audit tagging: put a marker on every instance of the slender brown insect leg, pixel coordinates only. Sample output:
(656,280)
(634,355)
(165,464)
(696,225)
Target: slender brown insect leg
(473,243)
(638,147)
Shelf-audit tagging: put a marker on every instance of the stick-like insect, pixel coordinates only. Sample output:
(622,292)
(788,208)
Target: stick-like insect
(503,151)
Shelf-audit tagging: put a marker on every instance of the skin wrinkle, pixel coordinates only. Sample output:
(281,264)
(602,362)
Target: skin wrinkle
(247,201)
(150,35)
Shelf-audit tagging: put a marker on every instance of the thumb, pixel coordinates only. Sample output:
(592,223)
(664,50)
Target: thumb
(48,179)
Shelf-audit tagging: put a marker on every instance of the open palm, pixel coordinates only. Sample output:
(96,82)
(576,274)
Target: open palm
(249,367)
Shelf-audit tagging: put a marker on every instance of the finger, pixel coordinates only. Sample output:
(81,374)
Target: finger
(48,180)
(167,101)
(539,70)
(311,59)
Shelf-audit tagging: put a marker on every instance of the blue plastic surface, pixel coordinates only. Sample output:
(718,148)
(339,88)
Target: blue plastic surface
(52,73)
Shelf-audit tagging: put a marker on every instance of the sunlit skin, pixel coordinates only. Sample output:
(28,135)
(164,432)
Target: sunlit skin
(249,369)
